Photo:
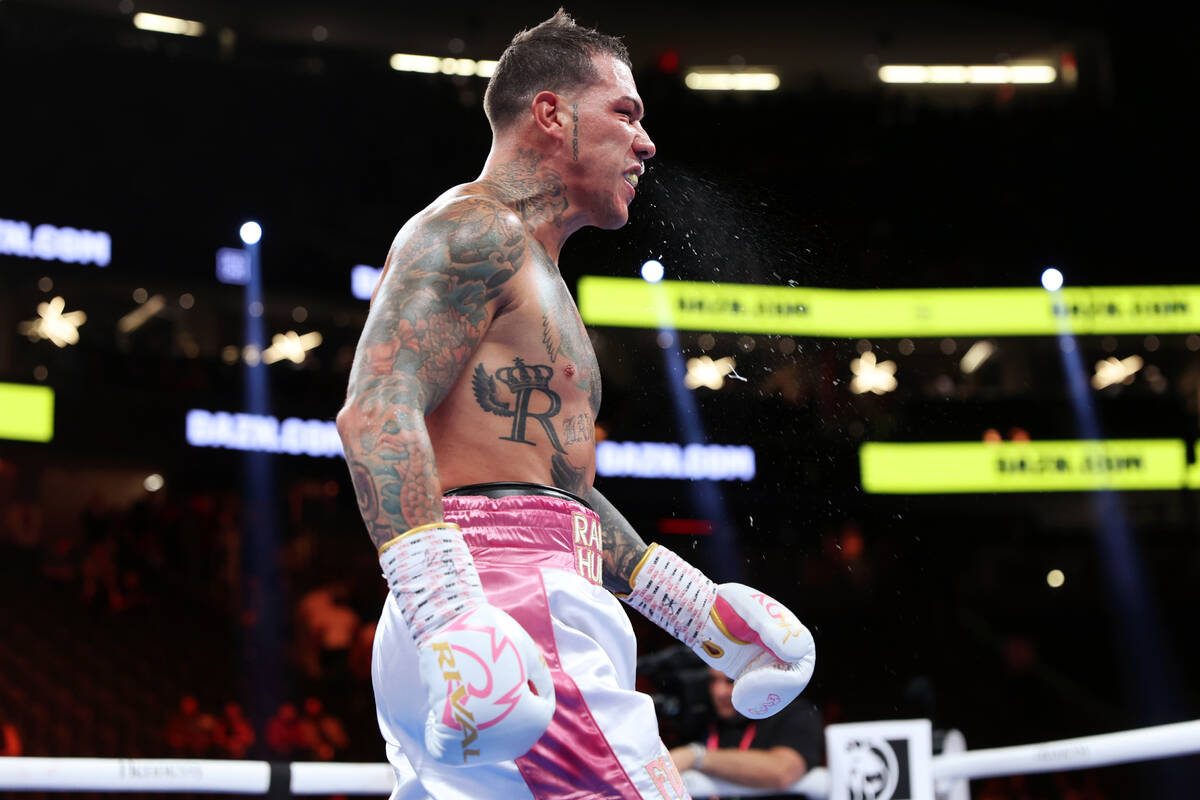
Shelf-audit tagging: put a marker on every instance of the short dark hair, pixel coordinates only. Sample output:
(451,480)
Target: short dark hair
(553,56)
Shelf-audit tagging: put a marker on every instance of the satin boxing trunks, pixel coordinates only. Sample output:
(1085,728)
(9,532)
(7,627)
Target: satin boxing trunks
(538,558)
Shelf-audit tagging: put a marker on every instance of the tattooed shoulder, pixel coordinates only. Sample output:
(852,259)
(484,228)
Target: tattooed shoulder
(487,241)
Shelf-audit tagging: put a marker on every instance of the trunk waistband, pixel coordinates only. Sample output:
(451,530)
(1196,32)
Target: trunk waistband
(519,531)
(515,488)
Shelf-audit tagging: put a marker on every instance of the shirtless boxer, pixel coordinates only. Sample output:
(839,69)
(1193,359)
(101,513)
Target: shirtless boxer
(503,664)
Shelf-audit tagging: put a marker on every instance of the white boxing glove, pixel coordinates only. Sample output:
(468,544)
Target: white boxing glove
(490,693)
(744,633)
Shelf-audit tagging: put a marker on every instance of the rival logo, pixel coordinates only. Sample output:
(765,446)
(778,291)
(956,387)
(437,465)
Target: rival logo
(455,710)
(779,612)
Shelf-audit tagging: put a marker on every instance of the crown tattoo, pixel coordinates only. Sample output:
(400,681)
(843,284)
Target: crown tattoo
(521,376)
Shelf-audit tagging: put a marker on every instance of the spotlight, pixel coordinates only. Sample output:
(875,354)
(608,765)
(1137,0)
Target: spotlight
(251,232)
(652,271)
(1052,279)
(872,376)
(703,371)
(165,24)
(52,323)
(1112,371)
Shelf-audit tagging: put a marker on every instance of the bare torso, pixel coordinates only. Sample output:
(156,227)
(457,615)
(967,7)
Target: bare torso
(523,407)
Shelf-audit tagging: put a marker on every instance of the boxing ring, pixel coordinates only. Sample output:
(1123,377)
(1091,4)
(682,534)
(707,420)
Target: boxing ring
(950,769)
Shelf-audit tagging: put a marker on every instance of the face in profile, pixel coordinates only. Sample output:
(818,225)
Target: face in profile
(607,143)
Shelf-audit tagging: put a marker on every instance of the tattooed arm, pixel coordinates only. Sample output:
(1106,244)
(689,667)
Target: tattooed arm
(442,286)
(623,548)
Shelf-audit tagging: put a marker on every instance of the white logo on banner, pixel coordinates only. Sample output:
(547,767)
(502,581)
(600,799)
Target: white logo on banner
(263,433)
(888,760)
(693,462)
(50,243)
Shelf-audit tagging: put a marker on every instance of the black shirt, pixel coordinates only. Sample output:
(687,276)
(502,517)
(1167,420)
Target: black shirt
(798,726)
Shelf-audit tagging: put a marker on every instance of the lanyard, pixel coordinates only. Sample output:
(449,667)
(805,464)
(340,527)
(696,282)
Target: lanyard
(744,744)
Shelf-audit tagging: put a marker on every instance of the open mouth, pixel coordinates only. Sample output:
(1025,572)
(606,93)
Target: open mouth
(632,179)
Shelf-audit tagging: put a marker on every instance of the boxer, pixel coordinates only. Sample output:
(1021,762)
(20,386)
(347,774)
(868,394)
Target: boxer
(504,662)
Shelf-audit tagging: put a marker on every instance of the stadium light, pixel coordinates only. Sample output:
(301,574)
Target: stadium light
(251,232)
(1052,279)
(707,79)
(978,353)
(61,329)
(871,375)
(291,346)
(363,280)
(1112,371)
(703,371)
(652,271)
(142,314)
(987,74)
(164,24)
(409,62)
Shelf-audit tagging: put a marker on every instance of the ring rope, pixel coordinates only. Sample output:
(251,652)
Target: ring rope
(308,778)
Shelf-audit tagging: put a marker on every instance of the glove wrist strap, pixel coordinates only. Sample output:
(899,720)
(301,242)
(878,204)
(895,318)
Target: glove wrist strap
(432,575)
(672,594)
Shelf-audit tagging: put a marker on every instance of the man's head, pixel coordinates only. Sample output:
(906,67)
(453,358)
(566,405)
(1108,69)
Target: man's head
(720,689)
(567,94)
(555,56)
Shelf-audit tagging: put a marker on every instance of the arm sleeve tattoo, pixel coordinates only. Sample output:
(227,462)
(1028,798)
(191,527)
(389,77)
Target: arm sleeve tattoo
(431,311)
(623,548)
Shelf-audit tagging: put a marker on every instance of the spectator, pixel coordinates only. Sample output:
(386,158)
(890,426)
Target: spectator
(322,733)
(99,567)
(283,733)
(10,738)
(190,731)
(771,753)
(328,626)
(235,735)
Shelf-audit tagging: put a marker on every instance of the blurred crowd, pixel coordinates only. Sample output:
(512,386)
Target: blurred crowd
(307,732)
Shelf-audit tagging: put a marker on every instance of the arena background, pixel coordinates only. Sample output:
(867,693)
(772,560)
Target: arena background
(123,593)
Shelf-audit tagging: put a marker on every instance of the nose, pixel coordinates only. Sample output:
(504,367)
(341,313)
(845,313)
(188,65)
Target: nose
(642,145)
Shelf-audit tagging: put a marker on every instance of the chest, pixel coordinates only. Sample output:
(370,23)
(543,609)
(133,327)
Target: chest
(552,332)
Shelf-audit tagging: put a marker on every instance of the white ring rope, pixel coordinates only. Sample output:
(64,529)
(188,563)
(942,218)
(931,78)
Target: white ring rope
(1140,744)
(306,778)
(190,775)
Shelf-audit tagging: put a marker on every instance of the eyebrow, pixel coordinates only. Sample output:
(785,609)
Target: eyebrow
(637,104)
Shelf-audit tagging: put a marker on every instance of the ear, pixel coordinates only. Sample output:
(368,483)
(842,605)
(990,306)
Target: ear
(549,114)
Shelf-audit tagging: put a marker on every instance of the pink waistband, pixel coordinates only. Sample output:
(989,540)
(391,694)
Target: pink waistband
(528,531)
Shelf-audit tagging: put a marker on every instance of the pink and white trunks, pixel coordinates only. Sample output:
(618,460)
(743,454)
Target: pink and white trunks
(538,559)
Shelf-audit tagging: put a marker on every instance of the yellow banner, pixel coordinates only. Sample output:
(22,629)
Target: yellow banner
(1194,469)
(1049,466)
(26,412)
(851,313)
